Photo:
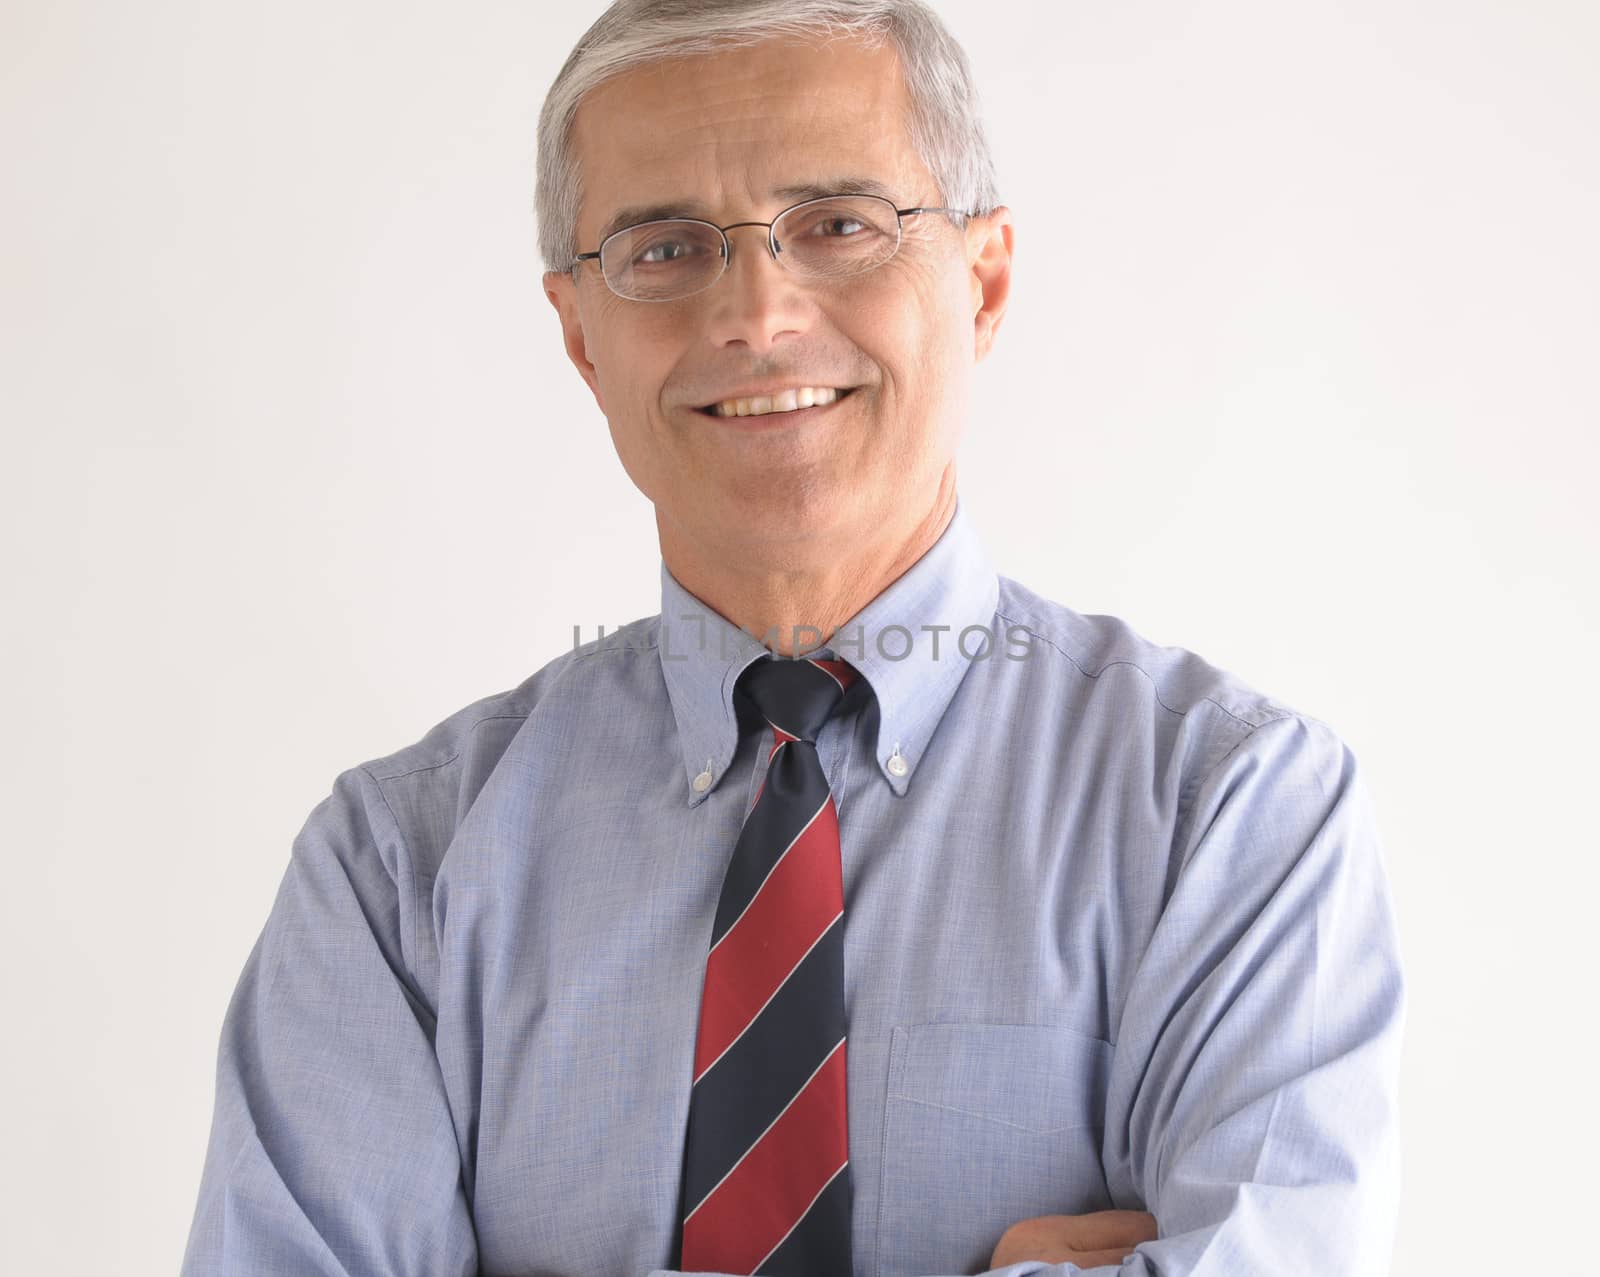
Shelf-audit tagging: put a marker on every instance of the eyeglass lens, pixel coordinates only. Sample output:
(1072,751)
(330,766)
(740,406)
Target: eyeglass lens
(827,239)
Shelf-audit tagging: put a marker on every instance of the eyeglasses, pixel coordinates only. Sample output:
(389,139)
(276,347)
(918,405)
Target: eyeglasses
(834,237)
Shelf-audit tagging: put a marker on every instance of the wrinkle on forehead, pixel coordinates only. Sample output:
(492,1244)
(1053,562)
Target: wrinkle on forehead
(741,121)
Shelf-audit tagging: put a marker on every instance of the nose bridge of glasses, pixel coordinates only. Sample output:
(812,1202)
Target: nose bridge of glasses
(773,247)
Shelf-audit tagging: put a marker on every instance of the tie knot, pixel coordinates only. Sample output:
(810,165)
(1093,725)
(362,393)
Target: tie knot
(797,696)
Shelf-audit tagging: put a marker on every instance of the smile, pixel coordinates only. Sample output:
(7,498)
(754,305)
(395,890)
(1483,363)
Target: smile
(791,400)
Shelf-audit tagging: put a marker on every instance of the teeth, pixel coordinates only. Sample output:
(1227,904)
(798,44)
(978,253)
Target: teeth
(783,401)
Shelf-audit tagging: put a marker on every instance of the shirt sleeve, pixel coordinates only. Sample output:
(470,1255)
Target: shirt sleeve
(1253,1099)
(1254,1095)
(332,1148)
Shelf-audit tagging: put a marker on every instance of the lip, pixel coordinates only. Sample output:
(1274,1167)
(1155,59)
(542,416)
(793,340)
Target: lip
(777,420)
(769,389)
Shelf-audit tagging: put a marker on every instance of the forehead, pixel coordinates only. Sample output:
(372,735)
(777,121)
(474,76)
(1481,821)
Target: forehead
(730,130)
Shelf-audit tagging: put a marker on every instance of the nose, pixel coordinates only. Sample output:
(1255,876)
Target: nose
(757,301)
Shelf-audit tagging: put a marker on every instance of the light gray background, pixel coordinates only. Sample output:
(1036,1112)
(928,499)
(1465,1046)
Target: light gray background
(1299,373)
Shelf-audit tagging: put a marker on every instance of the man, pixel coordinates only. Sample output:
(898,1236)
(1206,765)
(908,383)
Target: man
(863,911)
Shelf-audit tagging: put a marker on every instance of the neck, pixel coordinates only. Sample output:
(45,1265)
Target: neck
(796,602)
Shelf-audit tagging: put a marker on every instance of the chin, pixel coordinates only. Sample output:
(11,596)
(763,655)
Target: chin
(789,518)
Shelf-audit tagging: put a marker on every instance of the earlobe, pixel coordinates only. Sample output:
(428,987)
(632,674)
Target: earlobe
(991,277)
(983,336)
(561,289)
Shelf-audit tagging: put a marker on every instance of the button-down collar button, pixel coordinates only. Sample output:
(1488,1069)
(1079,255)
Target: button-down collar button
(702,782)
(897,764)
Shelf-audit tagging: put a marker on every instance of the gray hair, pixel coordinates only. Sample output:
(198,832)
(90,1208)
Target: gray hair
(945,126)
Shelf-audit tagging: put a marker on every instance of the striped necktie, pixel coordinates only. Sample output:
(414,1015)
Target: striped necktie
(766,1182)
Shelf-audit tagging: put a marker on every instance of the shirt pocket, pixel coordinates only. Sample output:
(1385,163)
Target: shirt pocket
(985,1125)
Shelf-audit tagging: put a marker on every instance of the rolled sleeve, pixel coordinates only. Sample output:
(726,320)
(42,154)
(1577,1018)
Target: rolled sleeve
(332,1147)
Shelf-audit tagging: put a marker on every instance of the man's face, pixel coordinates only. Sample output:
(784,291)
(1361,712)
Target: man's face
(718,135)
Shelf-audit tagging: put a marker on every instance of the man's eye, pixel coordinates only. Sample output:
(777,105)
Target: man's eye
(669,250)
(840,221)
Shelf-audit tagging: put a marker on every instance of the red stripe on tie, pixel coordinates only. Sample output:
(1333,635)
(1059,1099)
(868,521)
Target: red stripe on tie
(798,902)
(770,1190)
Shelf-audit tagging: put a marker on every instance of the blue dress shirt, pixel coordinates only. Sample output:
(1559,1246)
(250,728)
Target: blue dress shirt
(1117,935)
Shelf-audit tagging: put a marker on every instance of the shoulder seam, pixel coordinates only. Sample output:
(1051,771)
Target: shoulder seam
(1153,685)
(576,654)
(445,762)
(595,648)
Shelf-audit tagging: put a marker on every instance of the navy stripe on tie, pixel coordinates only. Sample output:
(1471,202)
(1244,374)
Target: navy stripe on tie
(742,1094)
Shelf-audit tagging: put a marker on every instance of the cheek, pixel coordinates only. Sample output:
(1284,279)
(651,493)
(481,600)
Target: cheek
(923,345)
(631,362)
(917,322)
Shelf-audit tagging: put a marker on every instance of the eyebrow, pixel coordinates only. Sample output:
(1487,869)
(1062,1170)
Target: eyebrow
(794,193)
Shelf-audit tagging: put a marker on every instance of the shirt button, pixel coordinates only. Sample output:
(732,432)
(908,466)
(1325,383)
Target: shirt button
(898,765)
(702,782)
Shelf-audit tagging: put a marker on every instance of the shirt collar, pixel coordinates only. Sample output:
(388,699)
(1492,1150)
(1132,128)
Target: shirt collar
(907,643)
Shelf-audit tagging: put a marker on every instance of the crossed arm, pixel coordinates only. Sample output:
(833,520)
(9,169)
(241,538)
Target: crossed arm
(1250,1120)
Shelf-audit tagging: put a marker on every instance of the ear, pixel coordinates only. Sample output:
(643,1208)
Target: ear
(562,290)
(989,247)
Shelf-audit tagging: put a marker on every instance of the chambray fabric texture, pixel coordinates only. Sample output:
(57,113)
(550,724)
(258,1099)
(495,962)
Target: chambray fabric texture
(1118,934)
